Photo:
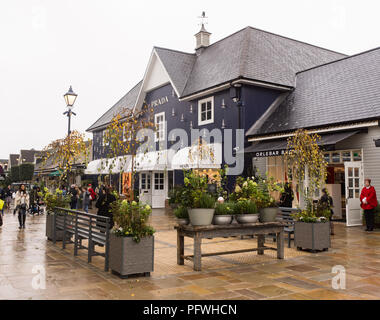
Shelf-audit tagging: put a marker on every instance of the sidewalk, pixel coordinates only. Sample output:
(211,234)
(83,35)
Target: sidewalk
(241,276)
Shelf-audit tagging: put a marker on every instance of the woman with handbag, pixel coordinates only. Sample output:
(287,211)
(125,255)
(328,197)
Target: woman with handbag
(22,203)
(368,202)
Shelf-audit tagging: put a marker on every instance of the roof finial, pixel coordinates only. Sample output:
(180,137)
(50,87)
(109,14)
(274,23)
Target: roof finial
(203,20)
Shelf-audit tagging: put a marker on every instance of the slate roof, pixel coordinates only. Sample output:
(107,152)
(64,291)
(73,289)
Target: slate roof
(27,156)
(249,53)
(344,91)
(14,159)
(255,54)
(127,101)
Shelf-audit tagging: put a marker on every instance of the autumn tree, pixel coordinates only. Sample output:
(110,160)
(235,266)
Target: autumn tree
(306,162)
(122,139)
(65,153)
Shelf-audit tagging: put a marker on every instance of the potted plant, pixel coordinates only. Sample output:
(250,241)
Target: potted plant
(182,215)
(223,213)
(52,201)
(246,211)
(131,239)
(265,200)
(312,227)
(175,197)
(200,204)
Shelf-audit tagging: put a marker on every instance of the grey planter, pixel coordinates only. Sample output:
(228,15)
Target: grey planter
(201,217)
(222,219)
(182,221)
(128,257)
(49,231)
(268,214)
(312,236)
(247,218)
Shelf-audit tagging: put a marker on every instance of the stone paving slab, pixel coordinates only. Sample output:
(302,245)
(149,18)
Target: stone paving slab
(301,276)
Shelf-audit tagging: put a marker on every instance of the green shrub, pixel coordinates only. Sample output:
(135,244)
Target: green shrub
(181,213)
(206,201)
(245,207)
(226,208)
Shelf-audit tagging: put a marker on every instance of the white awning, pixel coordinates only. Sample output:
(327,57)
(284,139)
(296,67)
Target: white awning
(107,166)
(154,160)
(210,157)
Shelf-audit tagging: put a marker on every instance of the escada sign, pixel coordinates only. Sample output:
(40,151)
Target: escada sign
(158,102)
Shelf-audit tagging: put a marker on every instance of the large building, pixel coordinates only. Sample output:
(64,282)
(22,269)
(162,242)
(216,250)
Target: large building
(229,84)
(341,102)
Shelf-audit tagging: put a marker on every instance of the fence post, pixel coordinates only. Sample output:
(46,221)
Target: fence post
(76,235)
(54,226)
(90,242)
(107,249)
(64,230)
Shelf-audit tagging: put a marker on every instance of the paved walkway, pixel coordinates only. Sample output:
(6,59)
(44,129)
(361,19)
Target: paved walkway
(301,275)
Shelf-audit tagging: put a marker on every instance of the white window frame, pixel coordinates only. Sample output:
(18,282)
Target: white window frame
(125,139)
(162,130)
(208,121)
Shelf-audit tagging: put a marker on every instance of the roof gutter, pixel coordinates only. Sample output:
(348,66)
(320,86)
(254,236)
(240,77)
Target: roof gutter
(229,84)
(373,123)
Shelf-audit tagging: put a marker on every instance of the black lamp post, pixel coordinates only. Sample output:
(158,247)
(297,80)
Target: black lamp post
(70,98)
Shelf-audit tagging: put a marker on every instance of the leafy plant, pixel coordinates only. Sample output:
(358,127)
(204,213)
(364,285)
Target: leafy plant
(195,187)
(206,201)
(226,208)
(175,195)
(245,207)
(181,213)
(53,200)
(131,219)
(313,213)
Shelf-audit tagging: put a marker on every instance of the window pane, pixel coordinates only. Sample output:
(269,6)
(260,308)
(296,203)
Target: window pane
(336,157)
(346,156)
(357,155)
(350,172)
(209,115)
(203,116)
(351,193)
(356,183)
(203,107)
(327,157)
(356,172)
(209,105)
(350,183)
(357,193)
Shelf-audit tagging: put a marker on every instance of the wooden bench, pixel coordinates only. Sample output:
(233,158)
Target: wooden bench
(285,216)
(231,230)
(83,226)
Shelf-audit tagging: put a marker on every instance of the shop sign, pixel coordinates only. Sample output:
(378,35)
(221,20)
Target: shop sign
(158,102)
(271,153)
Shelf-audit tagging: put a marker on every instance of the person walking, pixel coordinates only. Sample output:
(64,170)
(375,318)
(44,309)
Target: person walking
(2,198)
(93,195)
(22,204)
(368,202)
(74,197)
(86,198)
(327,202)
(8,197)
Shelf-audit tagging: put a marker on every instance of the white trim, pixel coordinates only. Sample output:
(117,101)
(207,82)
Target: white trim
(162,138)
(336,128)
(142,88)
(261,84)
(200,102)
(205,92)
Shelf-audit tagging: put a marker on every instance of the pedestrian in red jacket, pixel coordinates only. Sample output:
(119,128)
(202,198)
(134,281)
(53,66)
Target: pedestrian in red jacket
(368,202)
(92,195)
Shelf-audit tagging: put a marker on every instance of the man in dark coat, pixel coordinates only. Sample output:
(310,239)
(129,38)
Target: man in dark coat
(74,197)
(104,204)
(286,200)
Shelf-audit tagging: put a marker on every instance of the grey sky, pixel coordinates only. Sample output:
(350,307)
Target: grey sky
(101,48)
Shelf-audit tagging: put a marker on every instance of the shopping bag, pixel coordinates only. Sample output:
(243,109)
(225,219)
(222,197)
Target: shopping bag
(1,204)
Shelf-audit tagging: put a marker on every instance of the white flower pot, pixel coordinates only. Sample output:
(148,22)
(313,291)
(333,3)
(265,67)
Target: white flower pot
(201,217)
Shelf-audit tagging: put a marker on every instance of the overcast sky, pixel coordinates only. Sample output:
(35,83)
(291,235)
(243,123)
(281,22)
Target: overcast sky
(102,47)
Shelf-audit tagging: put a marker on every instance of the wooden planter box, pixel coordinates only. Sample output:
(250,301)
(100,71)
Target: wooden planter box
(312,236)
(128,257)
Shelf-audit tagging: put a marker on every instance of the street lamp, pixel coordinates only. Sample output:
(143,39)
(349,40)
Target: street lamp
(70,98)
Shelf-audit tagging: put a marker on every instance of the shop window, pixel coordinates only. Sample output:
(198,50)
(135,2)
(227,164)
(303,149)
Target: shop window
(335,157)
(346,156)
(357,155)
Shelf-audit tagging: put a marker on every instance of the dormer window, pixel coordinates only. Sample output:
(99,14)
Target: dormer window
(206,111)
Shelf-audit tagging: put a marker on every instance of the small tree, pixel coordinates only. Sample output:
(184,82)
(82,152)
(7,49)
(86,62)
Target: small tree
(26,171)
(64,153)
(15,173)
(306,162)
(121,138)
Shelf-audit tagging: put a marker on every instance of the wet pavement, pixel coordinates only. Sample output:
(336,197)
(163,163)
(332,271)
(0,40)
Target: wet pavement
(27,254)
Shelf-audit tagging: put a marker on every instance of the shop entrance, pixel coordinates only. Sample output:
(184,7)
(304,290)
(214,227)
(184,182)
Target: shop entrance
(354,182)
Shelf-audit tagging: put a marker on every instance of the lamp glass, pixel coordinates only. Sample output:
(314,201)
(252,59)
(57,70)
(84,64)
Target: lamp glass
(70,97)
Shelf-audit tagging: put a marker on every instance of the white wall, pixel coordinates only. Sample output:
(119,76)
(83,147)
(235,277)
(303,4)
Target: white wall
(371,154)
